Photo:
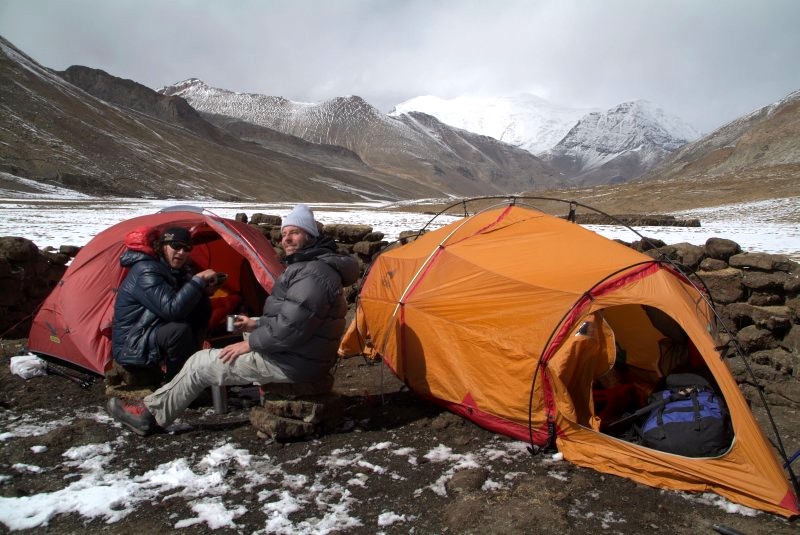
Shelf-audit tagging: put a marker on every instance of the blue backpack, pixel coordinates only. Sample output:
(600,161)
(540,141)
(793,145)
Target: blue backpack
(687,418)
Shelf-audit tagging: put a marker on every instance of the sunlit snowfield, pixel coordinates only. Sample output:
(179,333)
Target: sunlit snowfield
(766,226)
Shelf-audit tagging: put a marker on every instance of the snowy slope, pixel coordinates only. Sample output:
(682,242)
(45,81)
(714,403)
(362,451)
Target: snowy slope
(619,144)
(586,146)
(523,120)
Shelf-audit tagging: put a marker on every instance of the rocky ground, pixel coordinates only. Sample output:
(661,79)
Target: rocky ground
(530,494)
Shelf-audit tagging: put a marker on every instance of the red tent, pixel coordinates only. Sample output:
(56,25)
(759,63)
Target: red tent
(74,322)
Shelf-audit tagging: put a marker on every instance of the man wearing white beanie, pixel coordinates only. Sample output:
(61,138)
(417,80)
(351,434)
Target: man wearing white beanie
(294,341)
(302,217)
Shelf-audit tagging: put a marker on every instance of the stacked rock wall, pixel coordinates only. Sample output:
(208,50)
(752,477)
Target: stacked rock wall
(27,275)
(756,295)
(757,298)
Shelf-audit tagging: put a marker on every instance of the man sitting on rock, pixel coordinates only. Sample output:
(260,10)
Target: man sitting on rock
(161,311)
(294,341)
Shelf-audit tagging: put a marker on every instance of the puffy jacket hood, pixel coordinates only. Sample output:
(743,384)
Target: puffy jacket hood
(324,249)
(142,239)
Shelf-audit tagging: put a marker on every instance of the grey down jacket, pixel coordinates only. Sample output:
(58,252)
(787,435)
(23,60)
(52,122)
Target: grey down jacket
(304,317)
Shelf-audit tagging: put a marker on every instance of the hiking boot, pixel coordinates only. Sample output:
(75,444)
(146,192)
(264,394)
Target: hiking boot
(133,415)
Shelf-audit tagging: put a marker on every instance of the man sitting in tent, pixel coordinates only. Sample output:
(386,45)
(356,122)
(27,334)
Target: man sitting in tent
(162,309)
(295,340)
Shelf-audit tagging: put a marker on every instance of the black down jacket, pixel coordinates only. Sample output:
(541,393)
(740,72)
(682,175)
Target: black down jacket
(151,295)
(304,317)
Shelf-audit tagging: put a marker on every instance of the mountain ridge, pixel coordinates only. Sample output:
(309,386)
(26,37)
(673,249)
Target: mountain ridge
(408,146)
(103,135)
(60,134)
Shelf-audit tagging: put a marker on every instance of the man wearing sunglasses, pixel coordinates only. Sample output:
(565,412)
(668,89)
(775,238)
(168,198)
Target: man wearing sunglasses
(162,309)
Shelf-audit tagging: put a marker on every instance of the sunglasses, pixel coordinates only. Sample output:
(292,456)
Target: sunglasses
(180,247)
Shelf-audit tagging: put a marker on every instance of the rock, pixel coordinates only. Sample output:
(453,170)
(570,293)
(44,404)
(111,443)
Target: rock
(408,236)
(284,420)
(347,233)
(725,285)
(647,244)
(778,359)
(765,299)
(278,428)
(374,236)
(327,409)
(791,342)
(69,250)
(794,305)
(785,393)
(265,220)
(773,318)
(792,283)
(293,411)
(764,281)
(469,480)
(690,255)
(754,338)
(17,250)
(762,261)
(721,249)
(685,254)
(368,248)
(712,264)
(27,276)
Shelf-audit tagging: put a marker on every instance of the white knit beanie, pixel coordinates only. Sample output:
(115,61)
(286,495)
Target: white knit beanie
(301,216)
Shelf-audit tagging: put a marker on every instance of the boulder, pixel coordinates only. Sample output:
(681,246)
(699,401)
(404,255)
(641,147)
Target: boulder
(685,254)
(791,341)
(721,249)
(712,264)
(761,281)
(17,250)
(724,285)
(761,261)
(765,299)
(778,359)
(753,338)
(347,233)
(296,411)
(265,220)
(369,248)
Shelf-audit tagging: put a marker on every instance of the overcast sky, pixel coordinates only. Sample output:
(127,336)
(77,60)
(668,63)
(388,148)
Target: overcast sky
(706,61)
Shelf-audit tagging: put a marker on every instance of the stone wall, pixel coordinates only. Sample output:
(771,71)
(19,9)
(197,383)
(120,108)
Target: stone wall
(757,295)
(757,298)
(27,275)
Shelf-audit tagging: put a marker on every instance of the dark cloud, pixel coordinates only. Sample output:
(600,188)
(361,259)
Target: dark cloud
(707,61)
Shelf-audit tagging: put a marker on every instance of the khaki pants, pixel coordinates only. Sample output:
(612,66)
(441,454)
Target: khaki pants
(204,369)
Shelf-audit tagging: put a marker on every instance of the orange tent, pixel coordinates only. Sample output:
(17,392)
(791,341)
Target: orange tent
(509,317)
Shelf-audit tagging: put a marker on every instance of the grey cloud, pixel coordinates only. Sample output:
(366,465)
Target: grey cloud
(708,62)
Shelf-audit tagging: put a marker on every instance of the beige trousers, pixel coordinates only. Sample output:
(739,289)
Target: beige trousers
(205,369)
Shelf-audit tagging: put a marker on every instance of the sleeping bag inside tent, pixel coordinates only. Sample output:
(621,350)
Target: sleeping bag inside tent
(539,329)
(74,322)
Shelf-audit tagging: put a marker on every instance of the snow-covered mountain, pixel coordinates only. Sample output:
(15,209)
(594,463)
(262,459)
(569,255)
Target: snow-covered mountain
(523,120)
(585,146)
(413,145)
(619,144)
